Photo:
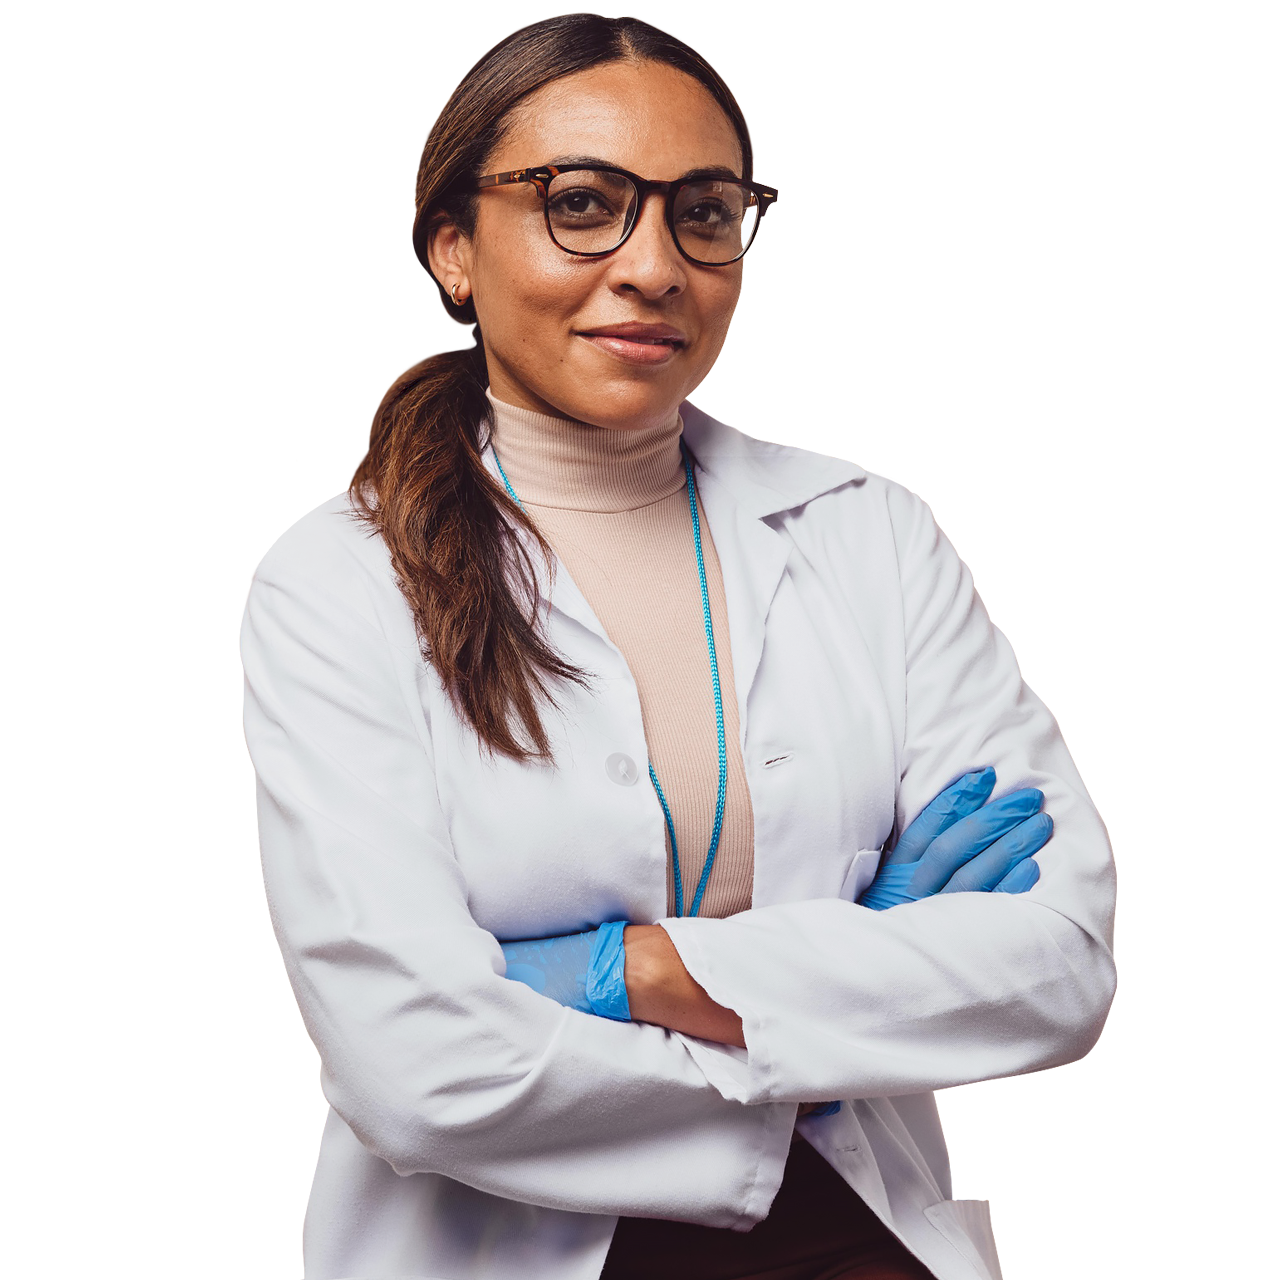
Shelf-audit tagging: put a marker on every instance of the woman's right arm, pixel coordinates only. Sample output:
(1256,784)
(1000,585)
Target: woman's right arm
(435,1060)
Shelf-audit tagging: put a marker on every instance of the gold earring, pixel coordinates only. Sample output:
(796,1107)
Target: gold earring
(453,293)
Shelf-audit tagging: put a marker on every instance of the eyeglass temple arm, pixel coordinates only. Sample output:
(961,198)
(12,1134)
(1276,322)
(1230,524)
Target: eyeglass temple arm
(514,175)
(765,195)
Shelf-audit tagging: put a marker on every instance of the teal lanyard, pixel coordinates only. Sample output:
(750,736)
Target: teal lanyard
(715,688)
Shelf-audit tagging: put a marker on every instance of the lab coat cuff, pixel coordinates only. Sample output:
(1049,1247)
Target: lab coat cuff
(725,1069)
(724,1065)
(741,1075)
(778,1124)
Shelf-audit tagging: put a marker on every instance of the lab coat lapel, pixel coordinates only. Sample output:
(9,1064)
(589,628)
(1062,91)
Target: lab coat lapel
(742,481)
(562,595)
(557,591)
(753,558)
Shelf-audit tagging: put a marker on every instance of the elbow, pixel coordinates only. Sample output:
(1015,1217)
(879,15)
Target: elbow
(423,1134)
(1078,1009)
(403,1155)
(1078,985)
(1097,999)
(1097,982)
(407,1148)
(391,1123)
(446,1112)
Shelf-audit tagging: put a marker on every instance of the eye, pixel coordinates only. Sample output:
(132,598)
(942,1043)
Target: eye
(581,198)
(712,210)
(708,211)
(580,203)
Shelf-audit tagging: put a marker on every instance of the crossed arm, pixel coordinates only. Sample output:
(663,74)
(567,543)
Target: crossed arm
(962,841)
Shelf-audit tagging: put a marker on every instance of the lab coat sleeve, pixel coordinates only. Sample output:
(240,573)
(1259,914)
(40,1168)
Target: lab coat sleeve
(839,1001)
(434,1059)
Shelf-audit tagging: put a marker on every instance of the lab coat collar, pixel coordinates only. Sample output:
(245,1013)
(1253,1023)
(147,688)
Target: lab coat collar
(744,481)
(764,478)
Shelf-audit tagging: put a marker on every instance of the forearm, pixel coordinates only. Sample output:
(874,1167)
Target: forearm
(838,1001)
(661,991)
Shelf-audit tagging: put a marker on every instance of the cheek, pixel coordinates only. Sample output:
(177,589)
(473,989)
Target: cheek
(524,279)
(525,293)
(521,287)
(717,299)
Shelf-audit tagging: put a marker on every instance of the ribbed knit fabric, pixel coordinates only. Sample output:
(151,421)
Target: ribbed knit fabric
(613,506)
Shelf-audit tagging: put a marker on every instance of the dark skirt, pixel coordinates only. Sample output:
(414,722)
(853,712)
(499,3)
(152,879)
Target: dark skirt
(818,1228)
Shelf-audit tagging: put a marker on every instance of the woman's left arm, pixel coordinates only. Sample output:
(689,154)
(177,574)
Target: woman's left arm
(661,990)
(838,1001)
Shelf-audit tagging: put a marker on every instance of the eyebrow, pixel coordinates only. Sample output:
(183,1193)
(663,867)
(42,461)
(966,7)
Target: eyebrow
(701,171)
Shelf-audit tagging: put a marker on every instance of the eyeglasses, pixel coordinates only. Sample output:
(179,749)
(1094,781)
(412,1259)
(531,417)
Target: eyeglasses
(591,209)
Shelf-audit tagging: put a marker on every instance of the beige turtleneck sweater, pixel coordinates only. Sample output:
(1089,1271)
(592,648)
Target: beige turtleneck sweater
(614,507)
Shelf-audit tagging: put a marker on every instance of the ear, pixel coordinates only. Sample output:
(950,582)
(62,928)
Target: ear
(450,255)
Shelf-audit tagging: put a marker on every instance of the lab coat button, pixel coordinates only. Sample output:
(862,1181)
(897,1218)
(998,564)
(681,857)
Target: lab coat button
(622,769)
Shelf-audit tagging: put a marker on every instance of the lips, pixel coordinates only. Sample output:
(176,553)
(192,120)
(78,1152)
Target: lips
(635,342)
(636,331)
(634,351)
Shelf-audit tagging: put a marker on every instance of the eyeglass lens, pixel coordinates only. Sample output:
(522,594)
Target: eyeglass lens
(591,212)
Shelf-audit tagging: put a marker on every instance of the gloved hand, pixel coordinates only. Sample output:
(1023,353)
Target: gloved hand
(584,971)
(960,843)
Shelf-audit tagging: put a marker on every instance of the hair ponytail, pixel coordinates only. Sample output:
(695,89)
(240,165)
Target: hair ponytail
(457,558)
(453,533)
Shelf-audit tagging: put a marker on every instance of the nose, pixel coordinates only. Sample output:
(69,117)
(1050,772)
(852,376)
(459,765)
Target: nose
(649,263)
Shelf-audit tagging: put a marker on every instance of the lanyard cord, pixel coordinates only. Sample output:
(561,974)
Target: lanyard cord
(715,687)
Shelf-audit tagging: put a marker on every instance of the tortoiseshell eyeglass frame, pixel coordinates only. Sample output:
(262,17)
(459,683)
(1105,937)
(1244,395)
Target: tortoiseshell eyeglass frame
(540,177)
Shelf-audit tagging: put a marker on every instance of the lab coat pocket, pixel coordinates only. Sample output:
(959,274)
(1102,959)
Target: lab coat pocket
(967,1226)
(862,871)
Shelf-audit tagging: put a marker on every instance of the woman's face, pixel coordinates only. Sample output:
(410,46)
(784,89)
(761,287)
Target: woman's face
(546,315)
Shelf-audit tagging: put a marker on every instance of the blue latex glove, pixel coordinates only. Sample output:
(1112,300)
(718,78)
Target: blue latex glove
(583,971)
(958,843)
(961,843)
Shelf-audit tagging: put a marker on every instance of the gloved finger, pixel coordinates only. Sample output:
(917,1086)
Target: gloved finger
(964,796)
(824,1108)
(990,867)
(890,888)
(971,835)
(1021,878)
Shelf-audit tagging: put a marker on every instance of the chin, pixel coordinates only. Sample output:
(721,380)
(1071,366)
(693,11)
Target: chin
(628,404)
(634,419)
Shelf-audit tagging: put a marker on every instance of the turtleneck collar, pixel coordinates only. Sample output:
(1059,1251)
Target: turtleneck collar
(560,462)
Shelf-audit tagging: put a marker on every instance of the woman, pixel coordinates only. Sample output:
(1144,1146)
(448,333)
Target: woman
(575,1020)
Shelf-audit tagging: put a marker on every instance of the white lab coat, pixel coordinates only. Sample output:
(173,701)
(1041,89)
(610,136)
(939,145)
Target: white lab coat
(479,1131)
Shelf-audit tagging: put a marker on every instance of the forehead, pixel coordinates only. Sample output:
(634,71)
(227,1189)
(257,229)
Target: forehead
(643,116)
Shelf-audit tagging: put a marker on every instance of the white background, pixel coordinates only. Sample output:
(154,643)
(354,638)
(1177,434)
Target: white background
(120,506)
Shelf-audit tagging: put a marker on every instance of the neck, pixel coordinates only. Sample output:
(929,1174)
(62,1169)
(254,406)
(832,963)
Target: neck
(560,462)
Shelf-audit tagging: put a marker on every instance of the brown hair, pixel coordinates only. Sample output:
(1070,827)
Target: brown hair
(453,533)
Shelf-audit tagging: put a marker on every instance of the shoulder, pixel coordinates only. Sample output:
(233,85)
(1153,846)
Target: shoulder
(334,568)
(330,544)
(774,478)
